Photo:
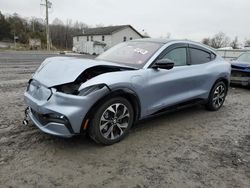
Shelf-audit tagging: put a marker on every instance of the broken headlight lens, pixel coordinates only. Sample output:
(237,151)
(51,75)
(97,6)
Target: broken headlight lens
(86,91)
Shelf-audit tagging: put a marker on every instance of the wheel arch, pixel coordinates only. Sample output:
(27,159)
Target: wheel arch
(126,93)
(220,79)
(208,103)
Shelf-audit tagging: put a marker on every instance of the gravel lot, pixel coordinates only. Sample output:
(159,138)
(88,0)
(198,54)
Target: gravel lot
(188,148)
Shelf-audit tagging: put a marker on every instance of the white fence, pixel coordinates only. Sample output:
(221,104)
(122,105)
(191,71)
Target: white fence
(231,54)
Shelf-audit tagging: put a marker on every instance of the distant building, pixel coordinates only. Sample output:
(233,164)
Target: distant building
(97,40)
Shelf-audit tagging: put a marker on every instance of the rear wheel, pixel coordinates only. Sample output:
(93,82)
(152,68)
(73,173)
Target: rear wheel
(112,121)
(217,96)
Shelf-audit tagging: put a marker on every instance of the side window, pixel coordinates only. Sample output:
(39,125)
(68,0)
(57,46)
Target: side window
(199,56)
(178,55)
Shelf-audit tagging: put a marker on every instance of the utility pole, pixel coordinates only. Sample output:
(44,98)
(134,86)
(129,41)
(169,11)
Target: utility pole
(47,26)
(47,6)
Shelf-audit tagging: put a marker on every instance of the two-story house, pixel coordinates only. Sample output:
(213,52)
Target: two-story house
(97,40)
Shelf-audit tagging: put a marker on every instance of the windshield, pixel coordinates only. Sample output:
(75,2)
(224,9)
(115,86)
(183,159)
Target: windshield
(244,57)
(135,54)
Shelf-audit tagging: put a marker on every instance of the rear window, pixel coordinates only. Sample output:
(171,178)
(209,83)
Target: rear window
(200,56)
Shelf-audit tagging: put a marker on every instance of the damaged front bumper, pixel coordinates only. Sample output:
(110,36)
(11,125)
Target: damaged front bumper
(244,81)
(57,113)
(55,127)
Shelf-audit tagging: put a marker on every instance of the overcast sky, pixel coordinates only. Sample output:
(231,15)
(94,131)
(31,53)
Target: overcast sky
(191,19)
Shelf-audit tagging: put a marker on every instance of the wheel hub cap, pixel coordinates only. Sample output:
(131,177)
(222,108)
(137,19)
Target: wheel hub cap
(114,121)
(219,96)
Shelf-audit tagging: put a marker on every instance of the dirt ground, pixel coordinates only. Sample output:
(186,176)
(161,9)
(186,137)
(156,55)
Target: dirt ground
(188,148)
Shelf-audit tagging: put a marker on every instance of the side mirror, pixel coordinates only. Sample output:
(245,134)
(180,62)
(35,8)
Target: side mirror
(163,64)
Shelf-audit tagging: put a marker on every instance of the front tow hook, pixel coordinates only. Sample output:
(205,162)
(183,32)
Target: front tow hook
(26,116)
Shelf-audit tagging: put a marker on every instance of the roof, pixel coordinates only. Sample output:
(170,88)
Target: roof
(155,40)
(165,41)
(106,30)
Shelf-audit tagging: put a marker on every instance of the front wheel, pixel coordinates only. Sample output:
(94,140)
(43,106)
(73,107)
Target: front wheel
(112,121)
(217,96)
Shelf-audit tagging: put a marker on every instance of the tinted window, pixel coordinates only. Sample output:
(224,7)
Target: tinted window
(199,56)
(178,55)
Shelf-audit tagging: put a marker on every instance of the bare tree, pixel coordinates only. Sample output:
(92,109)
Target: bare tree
(220,40)
(206,41)
(57,21)
(235,43)
(247,42)
(62,34)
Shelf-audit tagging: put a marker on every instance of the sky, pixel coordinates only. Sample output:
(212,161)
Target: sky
(183,19)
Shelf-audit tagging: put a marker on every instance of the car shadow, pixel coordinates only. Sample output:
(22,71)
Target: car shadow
(236,86)
(172,115)
(84,141)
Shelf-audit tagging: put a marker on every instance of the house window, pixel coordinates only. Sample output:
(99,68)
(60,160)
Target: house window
(124,39)
(87,38)
(103,38)
(131,38)
(77,38)
(92,38)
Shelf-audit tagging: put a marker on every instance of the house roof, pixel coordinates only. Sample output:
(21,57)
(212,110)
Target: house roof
(106,30)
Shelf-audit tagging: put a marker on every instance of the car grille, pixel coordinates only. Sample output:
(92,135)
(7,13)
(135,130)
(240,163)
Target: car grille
(44,119)
(40,117)
(240,74)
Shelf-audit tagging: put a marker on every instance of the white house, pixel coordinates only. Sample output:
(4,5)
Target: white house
(97,40)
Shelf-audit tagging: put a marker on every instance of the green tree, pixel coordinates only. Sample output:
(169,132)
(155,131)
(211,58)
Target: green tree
(5,29)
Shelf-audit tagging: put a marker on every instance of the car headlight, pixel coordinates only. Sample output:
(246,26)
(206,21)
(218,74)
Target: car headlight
(86,91)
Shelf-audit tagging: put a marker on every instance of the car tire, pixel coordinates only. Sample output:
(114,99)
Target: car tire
(217,96)
(111,121)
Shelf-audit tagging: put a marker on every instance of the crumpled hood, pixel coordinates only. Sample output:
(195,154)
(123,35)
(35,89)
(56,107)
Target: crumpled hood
(240,64)
(60,70)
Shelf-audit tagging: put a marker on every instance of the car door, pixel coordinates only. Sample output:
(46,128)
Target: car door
(202,69)
(169,87)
